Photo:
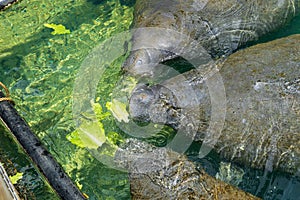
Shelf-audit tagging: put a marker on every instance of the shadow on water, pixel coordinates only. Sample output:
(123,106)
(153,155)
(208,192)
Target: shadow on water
(122,2)
(291,28)
(127,2)
(95,2)
(268,185)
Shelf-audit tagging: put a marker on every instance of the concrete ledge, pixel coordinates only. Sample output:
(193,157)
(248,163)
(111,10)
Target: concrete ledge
(7,190)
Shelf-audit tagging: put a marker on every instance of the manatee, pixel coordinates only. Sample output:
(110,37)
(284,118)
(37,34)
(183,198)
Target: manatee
(5,3)
(160,173)
(262,122)
(219,26)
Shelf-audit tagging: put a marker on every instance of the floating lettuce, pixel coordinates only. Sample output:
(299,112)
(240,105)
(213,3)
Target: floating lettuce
(75,139)
(118,110)
(90,133)
(14,179)
(99,111)
(117,106)
(58,29)
(128,84)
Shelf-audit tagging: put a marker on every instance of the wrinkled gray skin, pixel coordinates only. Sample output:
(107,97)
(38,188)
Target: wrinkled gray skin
(220,26)
(262,123)
(159,173)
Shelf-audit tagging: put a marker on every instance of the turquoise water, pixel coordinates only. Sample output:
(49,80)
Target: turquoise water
(40,68)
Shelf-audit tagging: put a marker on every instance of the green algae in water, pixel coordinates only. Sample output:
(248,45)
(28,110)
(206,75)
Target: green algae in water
(40,68)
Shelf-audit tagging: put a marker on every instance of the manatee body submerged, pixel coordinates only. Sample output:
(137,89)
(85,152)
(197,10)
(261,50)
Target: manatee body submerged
(262,123)
(220,26)
(159,173)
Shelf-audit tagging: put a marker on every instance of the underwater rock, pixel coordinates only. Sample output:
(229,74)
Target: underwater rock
(219,26)
(262,105)
(159,173)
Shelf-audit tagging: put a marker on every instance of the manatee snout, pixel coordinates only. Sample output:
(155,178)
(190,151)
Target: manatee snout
(155,104)
(138,64)
(145,62)
(141,99)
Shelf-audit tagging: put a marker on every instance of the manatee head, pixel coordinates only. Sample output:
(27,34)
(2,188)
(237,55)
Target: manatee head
(144,62)
(138,63)
(155,104)
(141,99)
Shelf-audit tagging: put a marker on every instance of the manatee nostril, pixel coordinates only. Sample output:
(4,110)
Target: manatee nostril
(140,100)
(144,97)
(156,104)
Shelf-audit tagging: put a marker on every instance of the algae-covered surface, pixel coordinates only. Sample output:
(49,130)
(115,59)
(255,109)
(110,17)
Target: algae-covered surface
(42,46)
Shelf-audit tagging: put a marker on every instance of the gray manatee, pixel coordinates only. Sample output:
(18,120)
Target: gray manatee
(219,26)
(262,105)
(159,173)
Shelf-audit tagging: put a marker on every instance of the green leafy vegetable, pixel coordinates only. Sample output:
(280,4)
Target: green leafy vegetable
(99,111)
(58,29)
(75,139)
(114,138)
(90,133)
(118,110)
(14,179)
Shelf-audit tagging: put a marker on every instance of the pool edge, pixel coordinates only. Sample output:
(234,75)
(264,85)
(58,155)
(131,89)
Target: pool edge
(7,190)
